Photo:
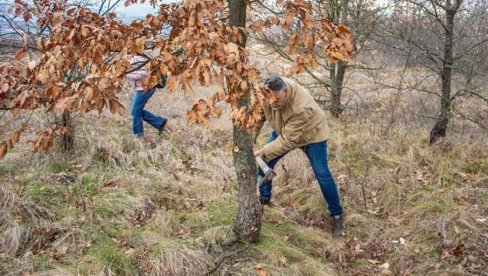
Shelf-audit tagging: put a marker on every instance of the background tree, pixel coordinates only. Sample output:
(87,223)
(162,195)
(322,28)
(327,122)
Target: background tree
(361,15)
(420,27)
(24,34)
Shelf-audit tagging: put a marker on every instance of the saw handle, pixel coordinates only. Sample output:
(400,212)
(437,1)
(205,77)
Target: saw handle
(262,164)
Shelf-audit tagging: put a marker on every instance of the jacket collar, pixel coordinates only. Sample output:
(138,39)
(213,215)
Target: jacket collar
(288,95)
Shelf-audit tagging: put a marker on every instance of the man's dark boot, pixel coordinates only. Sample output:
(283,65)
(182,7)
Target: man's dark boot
(264,200)
(338,225)
(161,128)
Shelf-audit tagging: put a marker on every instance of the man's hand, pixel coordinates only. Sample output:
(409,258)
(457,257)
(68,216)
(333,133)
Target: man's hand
(259,153)
(263,95)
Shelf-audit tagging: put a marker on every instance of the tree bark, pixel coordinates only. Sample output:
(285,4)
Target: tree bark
(337,74)
(440,127)
(247,223)
(67,139)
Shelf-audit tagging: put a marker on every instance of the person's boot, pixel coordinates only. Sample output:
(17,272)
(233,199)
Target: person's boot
(338,225)
(161,128)
(264,200)
(164,126)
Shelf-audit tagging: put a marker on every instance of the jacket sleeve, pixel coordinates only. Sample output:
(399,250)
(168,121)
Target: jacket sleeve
(290,135)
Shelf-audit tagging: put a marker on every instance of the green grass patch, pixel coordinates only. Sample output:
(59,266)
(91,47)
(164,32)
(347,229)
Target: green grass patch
(115,230)
(198,221)
(124,133)
(40,263)
(99,157)
(428,248)
(434,206)
(112,208)
(26,181)
(293,241)
(275,238)
(293,254)
(479,167)
(392,197)
(57,167)
(105,210)
(106,251)
(223,213)
(280,241)
(7,168)
(269,241)
(166,222)
(308,241)
(87,185)
(357,162)
(37,191)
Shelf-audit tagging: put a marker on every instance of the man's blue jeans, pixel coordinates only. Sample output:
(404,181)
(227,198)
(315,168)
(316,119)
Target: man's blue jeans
(139,114)
(317,155)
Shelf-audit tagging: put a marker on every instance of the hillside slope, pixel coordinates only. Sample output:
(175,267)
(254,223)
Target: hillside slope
(164,205)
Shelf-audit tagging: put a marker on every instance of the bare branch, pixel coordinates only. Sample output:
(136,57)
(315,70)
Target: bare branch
(434,14)
(267,8)
(111,7)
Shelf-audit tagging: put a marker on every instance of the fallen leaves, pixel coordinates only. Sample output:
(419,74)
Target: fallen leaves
(401,241)
(385,269)
(464,177)
(260,271)
(143,212)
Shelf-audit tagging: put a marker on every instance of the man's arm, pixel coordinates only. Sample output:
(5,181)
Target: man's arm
(289,137)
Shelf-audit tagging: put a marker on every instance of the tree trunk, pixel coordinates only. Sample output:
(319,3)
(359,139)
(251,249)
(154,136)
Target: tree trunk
(67,139)
(337,72)
(440,127)
(336,81)
(247,223)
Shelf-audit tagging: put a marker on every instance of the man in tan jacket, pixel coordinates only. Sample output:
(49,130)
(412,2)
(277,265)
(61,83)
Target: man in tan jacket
(298,122)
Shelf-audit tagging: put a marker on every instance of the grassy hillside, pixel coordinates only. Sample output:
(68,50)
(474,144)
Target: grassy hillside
(164,205)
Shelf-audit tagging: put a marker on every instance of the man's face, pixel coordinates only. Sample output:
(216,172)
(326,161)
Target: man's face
(275,99)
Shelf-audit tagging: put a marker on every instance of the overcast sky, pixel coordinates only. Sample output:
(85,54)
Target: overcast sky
(135,10)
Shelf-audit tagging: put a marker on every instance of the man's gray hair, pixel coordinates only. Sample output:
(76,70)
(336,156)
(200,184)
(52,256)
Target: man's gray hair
(275,83)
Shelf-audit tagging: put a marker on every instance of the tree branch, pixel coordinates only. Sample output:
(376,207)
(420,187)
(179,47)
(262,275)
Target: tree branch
(267,8)
(223,257)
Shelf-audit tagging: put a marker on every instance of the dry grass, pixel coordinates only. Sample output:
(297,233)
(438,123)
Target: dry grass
(175,259)
(17,237)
